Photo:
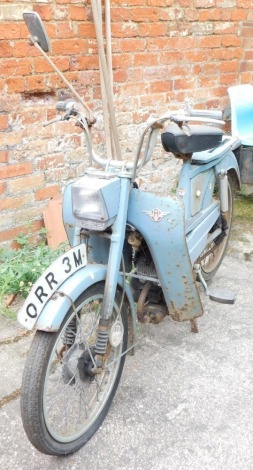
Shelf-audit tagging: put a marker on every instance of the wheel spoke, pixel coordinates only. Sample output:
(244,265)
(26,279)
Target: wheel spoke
(62,389)
(86,344)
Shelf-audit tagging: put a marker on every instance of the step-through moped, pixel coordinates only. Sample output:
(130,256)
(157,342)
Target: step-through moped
(134,256)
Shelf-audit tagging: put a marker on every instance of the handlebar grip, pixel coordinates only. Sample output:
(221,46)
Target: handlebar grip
(60,105)
(213,114)
(64,105)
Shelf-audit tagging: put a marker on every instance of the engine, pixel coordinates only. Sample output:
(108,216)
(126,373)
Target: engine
(151,307)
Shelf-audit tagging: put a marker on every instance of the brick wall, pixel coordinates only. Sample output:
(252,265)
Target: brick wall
(164,51)
(246,65)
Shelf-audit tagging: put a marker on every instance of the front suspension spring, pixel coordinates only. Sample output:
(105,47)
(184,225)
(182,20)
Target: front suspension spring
(70,333)
(102,340)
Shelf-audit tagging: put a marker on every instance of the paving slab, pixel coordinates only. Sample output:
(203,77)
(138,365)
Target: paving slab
(9,329)
(13,356)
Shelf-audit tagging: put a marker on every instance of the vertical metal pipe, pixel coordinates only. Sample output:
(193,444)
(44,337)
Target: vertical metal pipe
(101,52)
(108,35)
(116,248)
(223,191)
(108,141)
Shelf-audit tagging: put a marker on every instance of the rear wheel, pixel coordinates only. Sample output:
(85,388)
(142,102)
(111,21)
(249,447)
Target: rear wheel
(211,258)
(63,402)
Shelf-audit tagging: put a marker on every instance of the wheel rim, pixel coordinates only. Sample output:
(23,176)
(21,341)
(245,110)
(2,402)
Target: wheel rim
(213,254)
(72,404)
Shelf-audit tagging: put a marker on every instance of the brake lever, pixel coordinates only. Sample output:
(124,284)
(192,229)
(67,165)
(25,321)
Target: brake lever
(58,119)
(65,117)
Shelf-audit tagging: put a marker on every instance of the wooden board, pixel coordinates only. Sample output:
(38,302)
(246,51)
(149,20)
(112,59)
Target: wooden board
(53,222)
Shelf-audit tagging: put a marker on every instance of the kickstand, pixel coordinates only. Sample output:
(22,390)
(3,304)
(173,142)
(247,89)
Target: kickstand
(194,326)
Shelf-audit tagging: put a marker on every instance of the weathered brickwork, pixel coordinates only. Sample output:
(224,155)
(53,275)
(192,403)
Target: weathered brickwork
(164,52)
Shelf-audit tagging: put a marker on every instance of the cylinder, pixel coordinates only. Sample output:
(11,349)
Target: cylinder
(223,191)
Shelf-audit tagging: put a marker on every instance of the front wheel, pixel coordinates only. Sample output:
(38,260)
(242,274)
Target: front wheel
(211,258)
(63,402)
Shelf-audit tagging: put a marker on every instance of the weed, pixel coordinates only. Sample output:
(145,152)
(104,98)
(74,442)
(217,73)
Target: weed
(19,269)
(6,311)
(243,191)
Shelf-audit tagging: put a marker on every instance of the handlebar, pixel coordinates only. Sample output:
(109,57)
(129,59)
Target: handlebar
(154,124)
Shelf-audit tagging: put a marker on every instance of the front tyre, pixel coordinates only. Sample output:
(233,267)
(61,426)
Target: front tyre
(63,402)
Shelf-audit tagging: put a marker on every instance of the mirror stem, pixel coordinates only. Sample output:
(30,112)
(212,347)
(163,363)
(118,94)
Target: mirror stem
(90,118)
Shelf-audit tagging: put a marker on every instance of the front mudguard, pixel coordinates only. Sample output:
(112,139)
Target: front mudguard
(66,295)
(161,222)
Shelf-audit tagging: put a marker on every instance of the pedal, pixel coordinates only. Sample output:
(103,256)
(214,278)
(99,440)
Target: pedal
(216,295)
(222,296)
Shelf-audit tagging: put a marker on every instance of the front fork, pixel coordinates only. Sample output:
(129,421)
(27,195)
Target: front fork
(115,255)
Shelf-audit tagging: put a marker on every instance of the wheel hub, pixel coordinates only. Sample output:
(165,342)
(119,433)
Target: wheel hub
(77,359)
(85,366)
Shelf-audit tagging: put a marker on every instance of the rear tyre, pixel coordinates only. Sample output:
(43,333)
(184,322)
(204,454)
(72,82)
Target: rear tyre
(62,402)
(212,257)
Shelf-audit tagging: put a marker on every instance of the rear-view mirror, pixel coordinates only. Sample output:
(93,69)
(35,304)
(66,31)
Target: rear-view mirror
(37,29)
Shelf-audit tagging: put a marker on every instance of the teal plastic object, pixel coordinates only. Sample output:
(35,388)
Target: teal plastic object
(241,99)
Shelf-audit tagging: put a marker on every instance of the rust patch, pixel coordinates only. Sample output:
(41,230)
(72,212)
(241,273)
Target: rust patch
(48,330)
(69,225)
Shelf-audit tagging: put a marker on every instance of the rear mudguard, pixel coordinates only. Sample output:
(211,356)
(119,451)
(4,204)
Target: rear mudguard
(59,304)
(230,164)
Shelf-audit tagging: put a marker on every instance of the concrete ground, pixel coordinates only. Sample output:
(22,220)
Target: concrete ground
(185,400)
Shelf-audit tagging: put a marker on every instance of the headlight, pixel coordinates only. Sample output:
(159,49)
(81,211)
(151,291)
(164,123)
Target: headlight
(95,201)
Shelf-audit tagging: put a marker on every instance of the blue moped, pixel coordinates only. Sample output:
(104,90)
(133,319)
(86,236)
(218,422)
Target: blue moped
(134,256)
